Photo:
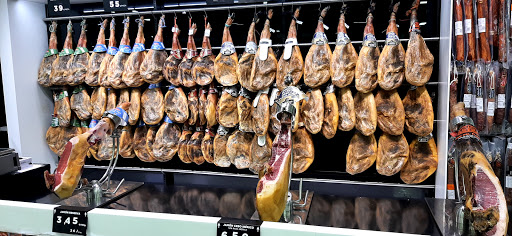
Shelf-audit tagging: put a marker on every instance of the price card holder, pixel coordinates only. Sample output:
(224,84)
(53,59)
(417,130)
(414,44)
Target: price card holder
(115,5)
(70,220)
(59,8)
(238,227)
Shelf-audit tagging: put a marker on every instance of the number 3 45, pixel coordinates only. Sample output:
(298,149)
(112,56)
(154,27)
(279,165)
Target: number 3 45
(68,220)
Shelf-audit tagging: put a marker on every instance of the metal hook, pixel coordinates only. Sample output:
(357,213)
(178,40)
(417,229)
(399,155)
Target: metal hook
(175,16)
(205,14)
(189,15)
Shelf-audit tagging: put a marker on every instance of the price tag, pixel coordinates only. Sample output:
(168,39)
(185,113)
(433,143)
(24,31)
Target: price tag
(467,26)
(70,220)
(501,101)
(490,108)
(479,105)
(59,8)
(481,25)
(238,227)
(458,28)
(115,5)
(467,100)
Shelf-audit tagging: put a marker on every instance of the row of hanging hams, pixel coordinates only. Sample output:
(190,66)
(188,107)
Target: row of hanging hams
(257,69)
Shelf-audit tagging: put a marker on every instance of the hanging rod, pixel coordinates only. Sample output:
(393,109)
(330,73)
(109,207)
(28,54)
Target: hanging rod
(201,9)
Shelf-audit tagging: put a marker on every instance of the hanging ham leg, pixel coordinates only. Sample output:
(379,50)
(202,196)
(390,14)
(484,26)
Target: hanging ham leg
(100,51)
(176,105)
(153,64)
(390,69)
(118,63)
(318,60)
(45,69)
(419,62)
(58,76)
(366,66)
(419,113)
(344,57)
(77,66)
(331,115)
(227,60)
(63,108)
(203,69)
(291,60)
(264,66)
(346,109)
(68,172)
(99,102)
(390,112)
(131,75)
(152,105)
(211,106)
(185,67)
(134,110)
(171,64)
(422,162)
(361,153)
(244,68)
(81,103)
(393,153)
(111,52)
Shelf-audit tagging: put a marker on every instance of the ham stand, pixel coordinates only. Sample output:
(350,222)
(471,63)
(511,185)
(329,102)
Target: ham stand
(295,211)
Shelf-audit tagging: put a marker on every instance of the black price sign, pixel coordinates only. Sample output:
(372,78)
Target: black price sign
(115,5)
(238,227)
(70,220)
(59,8)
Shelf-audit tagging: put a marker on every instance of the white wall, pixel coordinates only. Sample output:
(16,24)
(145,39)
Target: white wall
(23,41)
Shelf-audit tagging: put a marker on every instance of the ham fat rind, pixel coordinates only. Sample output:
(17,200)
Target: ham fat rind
(344,57)
(366,66)
(153,64)
(227,60)
(318,60)
(291,61)
(264,66)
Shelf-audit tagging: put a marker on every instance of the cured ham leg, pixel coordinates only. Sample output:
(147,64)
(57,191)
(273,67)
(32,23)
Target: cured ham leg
(419,113)
(390,112)
(166,141)
(111,52)
(244,68)
(77,65)
(211,106)
(227,112)
(393,153)
(63,108)
(344,57)
(81,103)
(318,60)
(390,69)
(244,105)
(303,150)
(97,56)
(312,110)
(171,64)
(291,61)
(227,60)
(419,62)
(346,109)
(60,69)
(185,67)
(220,155)
(99,102)
(68,172)
(126,143)
(176,105)
(118,63)
(207,146)
(272,188)
(140,141)
(134,110)
(152,105)
(264,66)
(131,74)
(361,153)
(331,115)
(422,162)
(45,68)
(153,64)
(260,153)
(203,70)
(366,113)
(366,66)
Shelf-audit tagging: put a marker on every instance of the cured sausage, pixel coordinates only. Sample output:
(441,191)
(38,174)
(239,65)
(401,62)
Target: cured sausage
(469,30)
(459,30)
(483,31)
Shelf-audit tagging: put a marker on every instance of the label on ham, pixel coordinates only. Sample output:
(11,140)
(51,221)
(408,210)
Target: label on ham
(121,113)
(227,48)
(264,45)
(100,48)
(62,95)
(288,47)
(325,27)
(141,123)
(176,54)
(83,124)
(55,122)
(112,50)
(481,25)
(125,49)
(222,131)
(467,26)
(78,89)
(479,105)
(392,39)
(158,46)
(174,29)
(191,32)
(273,96)
(154,86)
(191,54)
(251,48)
(166,119)
(490,108)
(207,33)
(370,41)
(320,38)
(458,28)
(138,47)
(51,52)
(232,90)
(342,39)
(66,51)
(205,52)
(93,123)
(81,50)
(467,100)
(501,101)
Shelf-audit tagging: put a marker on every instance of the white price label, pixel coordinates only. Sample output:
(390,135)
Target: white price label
(508,182)
(467,26)
(481,25)
(467,100)
(490,108)
(174,29)
(473,101)
(346,26)
(458,28)
(326,27)
(191,32)
(501,101)
(451,194)
(479,105)
(207,33)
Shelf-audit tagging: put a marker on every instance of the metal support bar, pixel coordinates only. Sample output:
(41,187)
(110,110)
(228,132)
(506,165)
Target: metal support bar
(200,9)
